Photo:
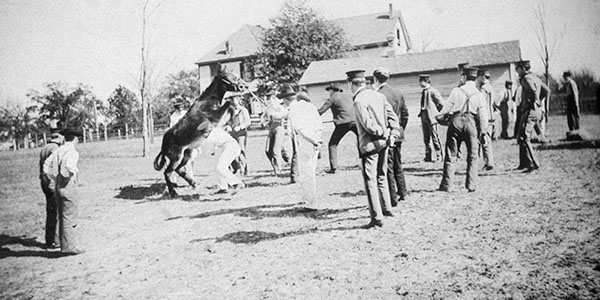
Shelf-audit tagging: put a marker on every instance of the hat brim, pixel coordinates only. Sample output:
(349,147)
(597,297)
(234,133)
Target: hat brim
(286,95)
(332,88)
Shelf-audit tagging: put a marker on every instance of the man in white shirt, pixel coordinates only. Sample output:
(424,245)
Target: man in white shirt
(178,113)
(305,128)
(485,87)
(230,150)
(465,104)
(65,172)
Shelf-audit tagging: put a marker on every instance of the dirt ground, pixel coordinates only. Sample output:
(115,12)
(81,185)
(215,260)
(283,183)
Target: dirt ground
(520,236)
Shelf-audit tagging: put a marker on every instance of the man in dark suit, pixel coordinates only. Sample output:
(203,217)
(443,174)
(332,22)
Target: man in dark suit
(431,103)
(343,118)
(572,99)
(532,92)
(395,175)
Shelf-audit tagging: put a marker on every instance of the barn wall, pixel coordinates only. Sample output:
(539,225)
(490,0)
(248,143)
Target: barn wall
(408,85)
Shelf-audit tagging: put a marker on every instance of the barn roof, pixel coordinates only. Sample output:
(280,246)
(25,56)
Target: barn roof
(243,43)
(486,54)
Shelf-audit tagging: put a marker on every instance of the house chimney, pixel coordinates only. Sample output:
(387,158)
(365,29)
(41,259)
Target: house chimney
(391,13)
(227,47)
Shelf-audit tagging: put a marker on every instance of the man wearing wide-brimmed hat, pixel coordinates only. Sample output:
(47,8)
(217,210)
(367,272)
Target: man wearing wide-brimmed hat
(305,127)
(48,186)
(274,115)
(343,118)
(238,128)
(377,127)
(468,119)
(180,111)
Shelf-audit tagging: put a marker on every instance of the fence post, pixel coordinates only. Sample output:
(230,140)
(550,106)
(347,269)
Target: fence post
(44,138)
(84,135)
(119,133)
(105,134)
(126,131)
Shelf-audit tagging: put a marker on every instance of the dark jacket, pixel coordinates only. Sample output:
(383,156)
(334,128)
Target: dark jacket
(341,107)
(396,99)
(533,92)
(432,103)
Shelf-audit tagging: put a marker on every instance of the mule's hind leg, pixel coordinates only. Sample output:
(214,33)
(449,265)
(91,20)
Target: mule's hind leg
(184,169)
(168,172)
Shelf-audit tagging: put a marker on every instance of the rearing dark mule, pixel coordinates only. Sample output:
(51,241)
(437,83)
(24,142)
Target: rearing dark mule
(188,134)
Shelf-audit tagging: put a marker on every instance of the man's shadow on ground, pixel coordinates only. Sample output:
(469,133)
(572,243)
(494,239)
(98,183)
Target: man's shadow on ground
(253,237)
(271,211)
(27,242)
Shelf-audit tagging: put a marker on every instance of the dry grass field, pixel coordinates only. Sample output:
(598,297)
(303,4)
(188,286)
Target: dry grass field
(520,236)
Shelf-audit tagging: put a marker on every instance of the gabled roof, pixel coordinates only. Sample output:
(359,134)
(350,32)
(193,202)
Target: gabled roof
(484,55)
(368,29)
(242,43)
(360,30)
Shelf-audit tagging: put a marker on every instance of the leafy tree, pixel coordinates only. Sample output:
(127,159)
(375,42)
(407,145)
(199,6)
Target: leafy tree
(185,84)
(297,36)
(124,107)
(72,107)
(17,122)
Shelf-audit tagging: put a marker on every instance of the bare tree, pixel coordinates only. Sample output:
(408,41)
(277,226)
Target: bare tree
(145,79)
(545,47)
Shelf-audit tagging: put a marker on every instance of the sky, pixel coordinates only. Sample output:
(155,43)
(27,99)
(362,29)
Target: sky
(97,43)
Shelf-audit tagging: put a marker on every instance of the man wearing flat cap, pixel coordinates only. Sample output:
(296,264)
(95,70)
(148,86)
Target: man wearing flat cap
(343,117)
(64,170)
(395,175)
(507,110)
(378,127)
(305,127)
(468,118)
(48,187)
(431,102)
(483,83)
(532,92)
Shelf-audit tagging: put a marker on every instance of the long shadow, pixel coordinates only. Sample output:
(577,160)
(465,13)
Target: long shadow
(27,242)
(349,194)
(267,211)
(253,237)
(264,184)
(22,240)
(4,253)
(131,192)
(588,144)
(420,170)
(186,198)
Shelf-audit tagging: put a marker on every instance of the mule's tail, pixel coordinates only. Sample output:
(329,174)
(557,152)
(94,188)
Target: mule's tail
(159,161)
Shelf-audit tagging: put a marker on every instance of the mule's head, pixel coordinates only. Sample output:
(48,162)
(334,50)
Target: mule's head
(231,83)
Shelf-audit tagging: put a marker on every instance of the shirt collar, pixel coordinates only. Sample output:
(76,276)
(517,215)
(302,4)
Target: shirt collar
(381,86)
(360,89)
